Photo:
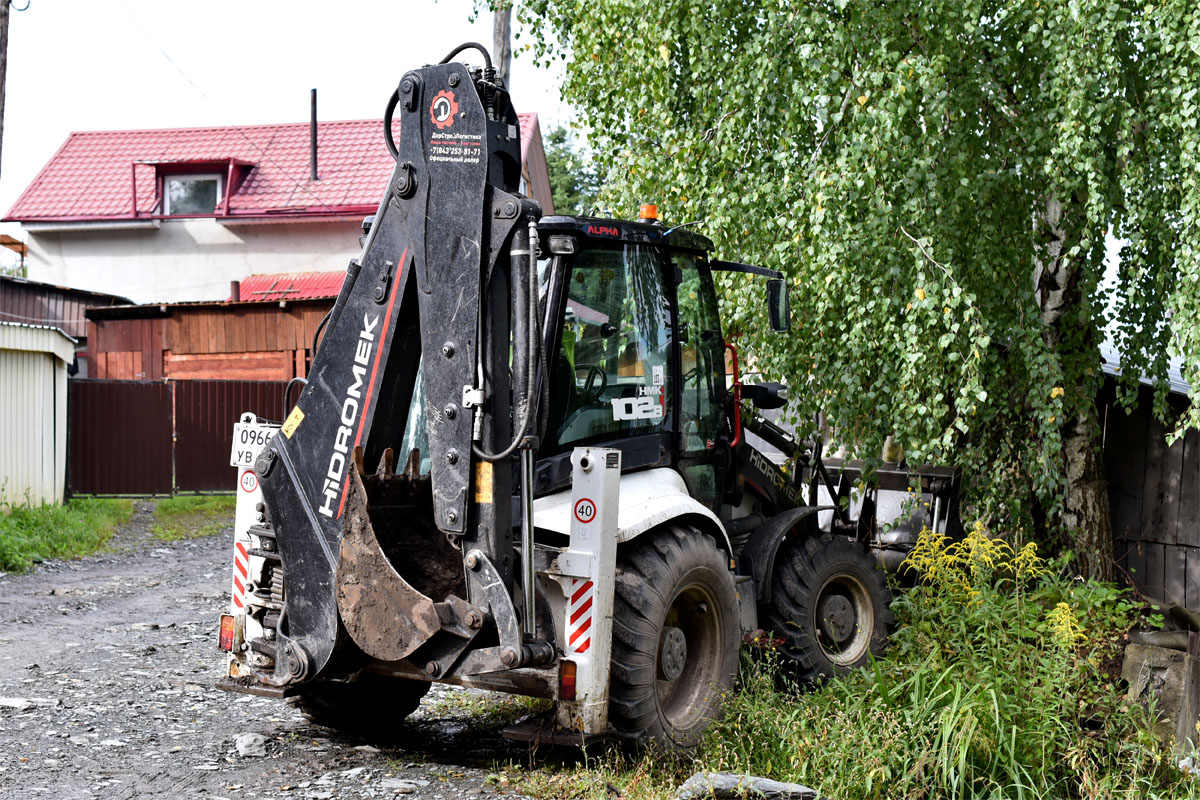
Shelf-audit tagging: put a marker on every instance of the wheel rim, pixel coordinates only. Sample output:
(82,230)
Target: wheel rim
(689,648)
(844,619)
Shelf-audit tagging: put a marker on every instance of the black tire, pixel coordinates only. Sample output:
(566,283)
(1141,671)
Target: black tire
(829,605)
(370,706)
(675,637)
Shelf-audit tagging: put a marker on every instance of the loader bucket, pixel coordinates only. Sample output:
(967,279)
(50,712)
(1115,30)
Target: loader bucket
(392,558)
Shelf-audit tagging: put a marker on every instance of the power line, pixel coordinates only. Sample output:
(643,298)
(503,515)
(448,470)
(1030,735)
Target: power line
(298,184)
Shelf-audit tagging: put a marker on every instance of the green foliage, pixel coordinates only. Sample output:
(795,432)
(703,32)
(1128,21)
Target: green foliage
(32,533)
(1000,683)
(890,158)
(996,686)
(573,179)
(193,516)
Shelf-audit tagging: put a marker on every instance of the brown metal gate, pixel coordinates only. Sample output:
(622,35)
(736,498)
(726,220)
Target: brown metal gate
(204,415)
(151,438)
(119,437)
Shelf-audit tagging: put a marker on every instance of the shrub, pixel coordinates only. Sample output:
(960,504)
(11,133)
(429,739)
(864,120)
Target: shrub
(31,533)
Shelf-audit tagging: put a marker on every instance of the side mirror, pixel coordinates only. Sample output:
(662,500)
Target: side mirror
(765,395)
(778,308)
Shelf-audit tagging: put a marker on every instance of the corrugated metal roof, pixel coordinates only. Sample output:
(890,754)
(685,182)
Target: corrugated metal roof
(291,286)
(1112,366)
(37,339)
(96,175)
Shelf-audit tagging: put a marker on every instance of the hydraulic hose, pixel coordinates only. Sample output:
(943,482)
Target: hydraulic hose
(533,359)
(487,57)
(393,101)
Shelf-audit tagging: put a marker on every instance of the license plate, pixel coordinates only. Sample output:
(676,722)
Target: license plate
(248,439)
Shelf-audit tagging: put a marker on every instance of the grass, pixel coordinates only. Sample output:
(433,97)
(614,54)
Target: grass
(33,533)
(192,516)
(998,684)
(485,710)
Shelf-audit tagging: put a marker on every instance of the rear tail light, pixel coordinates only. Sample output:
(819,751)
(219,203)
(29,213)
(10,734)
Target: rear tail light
(566,681)
(227,632)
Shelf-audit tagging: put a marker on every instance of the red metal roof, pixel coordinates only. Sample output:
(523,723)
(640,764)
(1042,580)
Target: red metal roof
(96,175)
(291,286)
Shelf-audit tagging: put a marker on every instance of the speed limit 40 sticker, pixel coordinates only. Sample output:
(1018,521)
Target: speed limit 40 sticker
(585,510)
(249,481)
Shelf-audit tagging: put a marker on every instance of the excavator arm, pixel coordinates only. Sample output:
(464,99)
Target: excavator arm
(442,289)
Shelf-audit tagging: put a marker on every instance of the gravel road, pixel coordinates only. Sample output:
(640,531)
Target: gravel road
(107,672)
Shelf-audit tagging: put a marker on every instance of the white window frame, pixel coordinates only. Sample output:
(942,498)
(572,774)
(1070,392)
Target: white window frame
(218,177)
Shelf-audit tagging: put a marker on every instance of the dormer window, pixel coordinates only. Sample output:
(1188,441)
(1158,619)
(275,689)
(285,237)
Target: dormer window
(191,195)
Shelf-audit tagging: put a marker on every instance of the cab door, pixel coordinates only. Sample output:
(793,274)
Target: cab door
(703,449)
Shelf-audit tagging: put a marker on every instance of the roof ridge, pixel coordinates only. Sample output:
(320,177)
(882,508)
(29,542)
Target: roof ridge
(230,127)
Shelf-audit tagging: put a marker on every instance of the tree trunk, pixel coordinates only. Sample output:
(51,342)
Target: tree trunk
(502,41)
(4,4)
(1085,514)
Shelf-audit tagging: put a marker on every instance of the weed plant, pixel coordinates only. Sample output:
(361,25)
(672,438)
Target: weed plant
(30,533)
(998,684)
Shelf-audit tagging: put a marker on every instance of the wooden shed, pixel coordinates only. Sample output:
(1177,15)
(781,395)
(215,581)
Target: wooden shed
(31,303)
(33,412)
(251,340)
(1154,494)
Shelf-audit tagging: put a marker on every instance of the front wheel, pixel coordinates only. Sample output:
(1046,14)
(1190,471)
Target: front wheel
(675,637)
(829,605)
(372,705)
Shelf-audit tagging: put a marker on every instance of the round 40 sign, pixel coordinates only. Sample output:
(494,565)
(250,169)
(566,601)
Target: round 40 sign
(585,510)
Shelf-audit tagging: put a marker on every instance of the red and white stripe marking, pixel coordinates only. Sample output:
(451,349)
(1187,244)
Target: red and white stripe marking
(241,565)
(579,615)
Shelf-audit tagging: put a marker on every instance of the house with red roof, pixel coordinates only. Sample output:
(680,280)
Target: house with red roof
(166,216)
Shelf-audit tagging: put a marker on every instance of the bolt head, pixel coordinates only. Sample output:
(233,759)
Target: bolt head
(509,657)
(452,517)
(452,458)
(474,620)
(510,208)
(448,349)
(406,86)
(451,411)
(454,79)
(432,668)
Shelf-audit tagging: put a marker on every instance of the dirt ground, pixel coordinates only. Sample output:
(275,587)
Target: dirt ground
(107,672)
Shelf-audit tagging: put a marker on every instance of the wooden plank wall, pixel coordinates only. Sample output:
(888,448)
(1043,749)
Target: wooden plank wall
(234,342)
(37,304)
(1154,497)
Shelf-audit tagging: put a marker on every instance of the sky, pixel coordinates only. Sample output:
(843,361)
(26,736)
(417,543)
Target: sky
(78,65)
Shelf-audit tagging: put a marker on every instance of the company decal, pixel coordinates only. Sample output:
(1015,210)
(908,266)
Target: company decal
(351,406)
(774,476)
(650,403)
(602,230)
(443,109)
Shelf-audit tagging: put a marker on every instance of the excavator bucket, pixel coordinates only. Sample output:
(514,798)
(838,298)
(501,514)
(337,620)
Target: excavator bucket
(389,614)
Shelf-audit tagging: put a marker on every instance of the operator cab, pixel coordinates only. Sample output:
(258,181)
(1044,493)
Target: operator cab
(634,350)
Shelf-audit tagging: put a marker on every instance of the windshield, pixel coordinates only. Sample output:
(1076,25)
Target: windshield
(611,374)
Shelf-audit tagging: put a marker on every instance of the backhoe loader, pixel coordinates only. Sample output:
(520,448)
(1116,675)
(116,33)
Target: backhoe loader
(521,461)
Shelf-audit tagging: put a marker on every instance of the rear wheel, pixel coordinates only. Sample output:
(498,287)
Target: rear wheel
(829,604)
(372,705)
(675,637)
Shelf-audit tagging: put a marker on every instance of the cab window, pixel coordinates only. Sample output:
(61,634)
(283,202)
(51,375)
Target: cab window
(611,376)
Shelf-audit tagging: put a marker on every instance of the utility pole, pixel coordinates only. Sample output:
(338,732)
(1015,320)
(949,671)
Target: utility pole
(501,39)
